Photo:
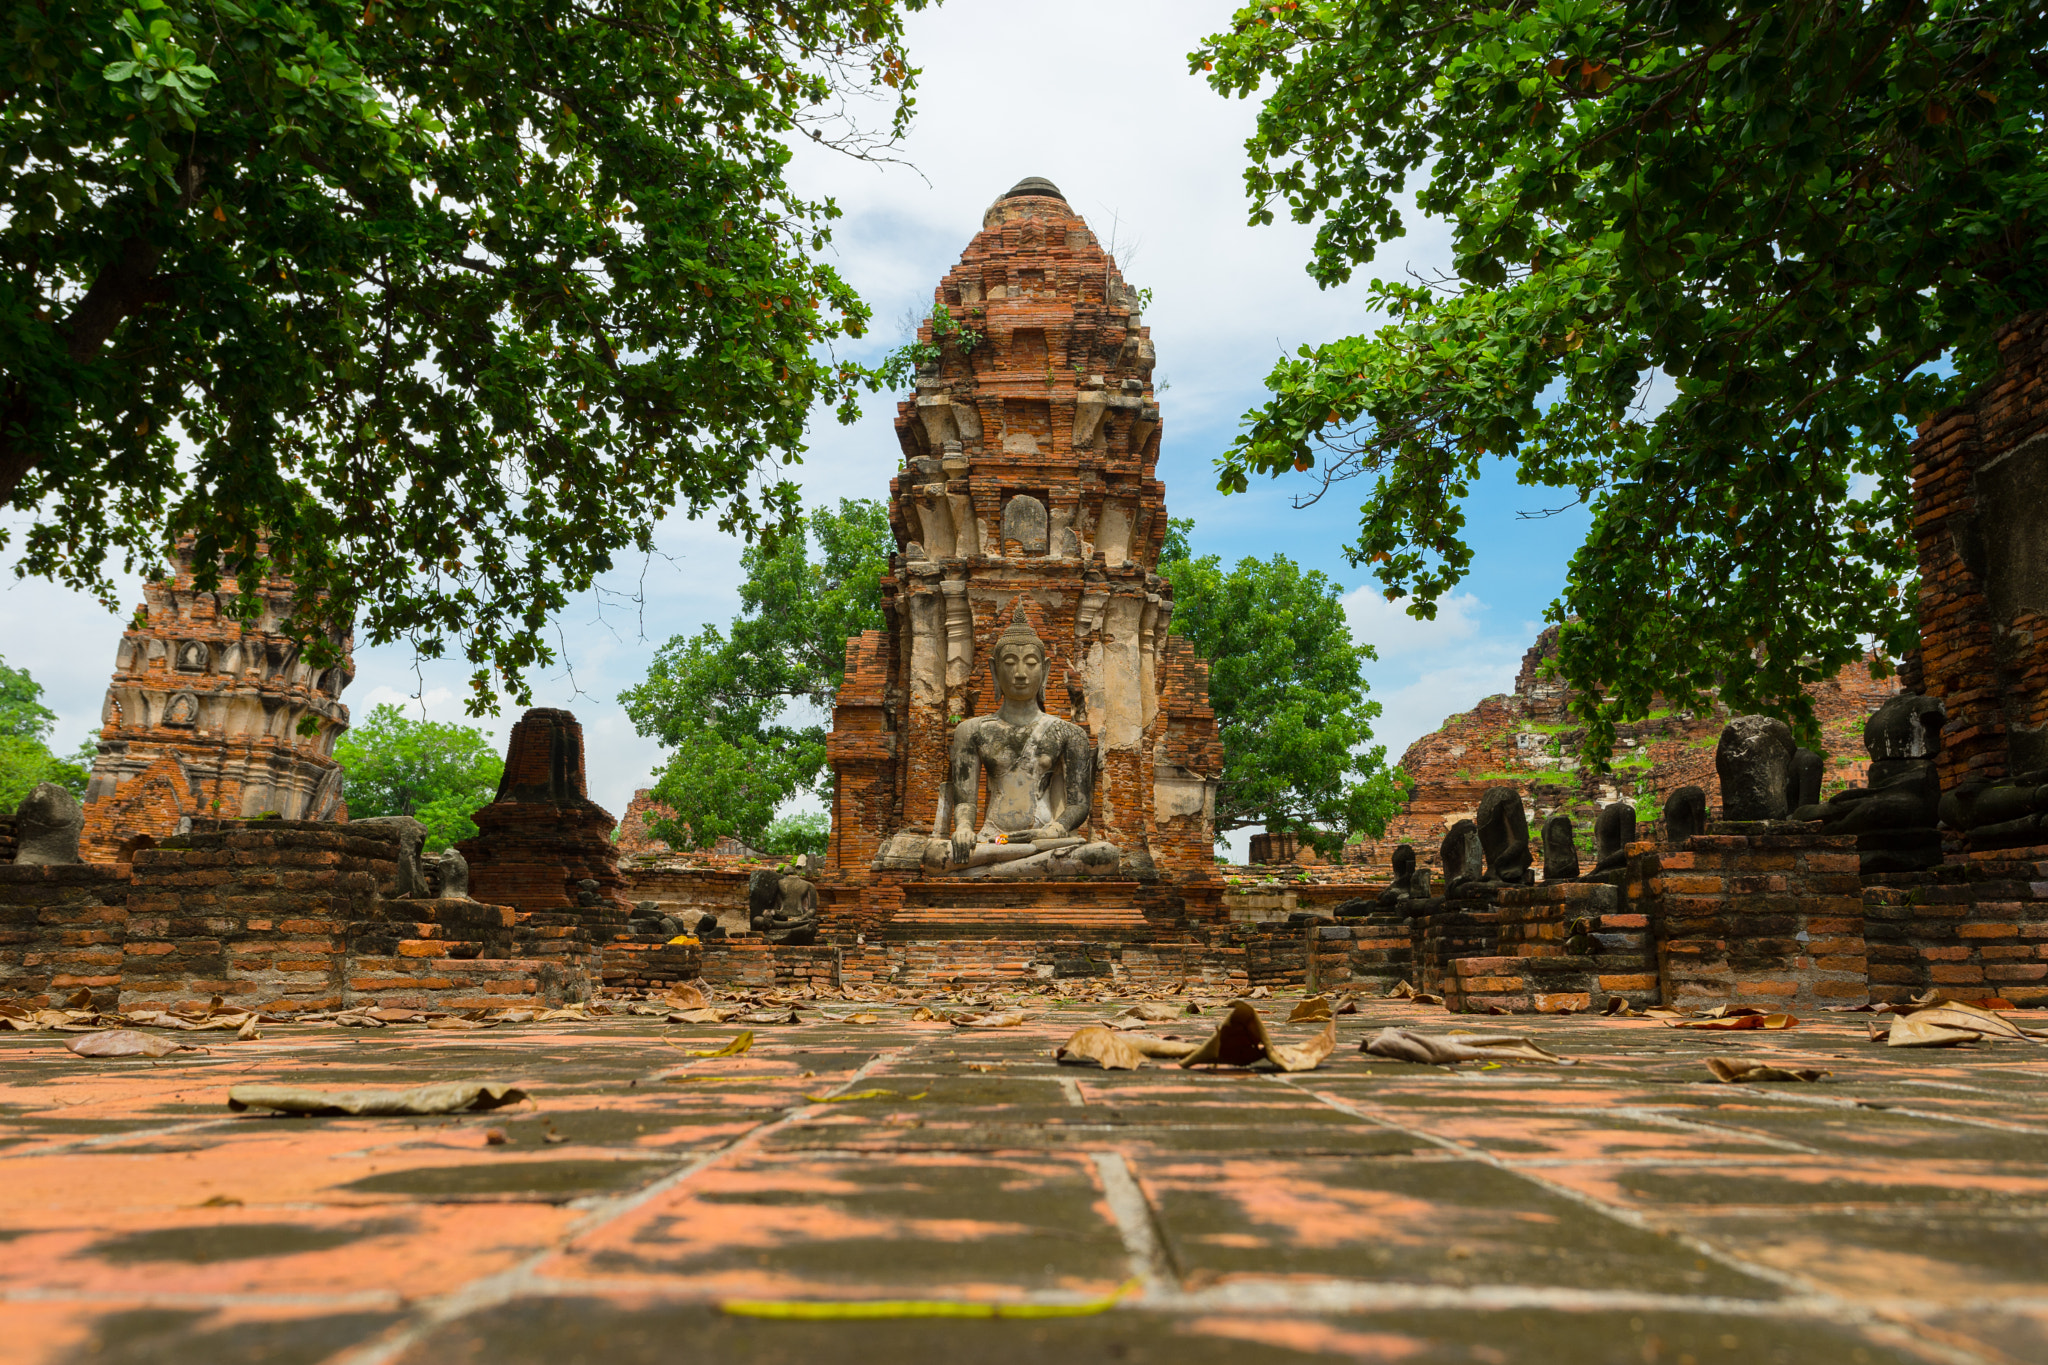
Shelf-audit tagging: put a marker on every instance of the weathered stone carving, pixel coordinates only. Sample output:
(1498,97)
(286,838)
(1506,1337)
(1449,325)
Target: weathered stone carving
(1463,860)
(1754,759)
(1894,816)
(1613,831)
(1685,815)
(46,827)
(1504,834)
(1560,849)
(411,834)
(1411,883)
(1024,523)
(1041,771)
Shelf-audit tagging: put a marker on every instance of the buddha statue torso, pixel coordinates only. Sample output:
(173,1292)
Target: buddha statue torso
(1041,771)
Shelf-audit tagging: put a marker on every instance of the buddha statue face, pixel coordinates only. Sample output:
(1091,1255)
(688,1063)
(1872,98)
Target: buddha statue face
(1020,671)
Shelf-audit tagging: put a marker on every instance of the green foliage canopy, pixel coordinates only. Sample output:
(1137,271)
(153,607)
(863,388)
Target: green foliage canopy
(438,773)
(1286,681)
(432,307)
(723,705)
(25,756)
(1791,209)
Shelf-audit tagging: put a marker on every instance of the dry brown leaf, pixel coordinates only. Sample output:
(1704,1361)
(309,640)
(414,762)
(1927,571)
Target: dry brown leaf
(923,1015)
(1104,1047)
(1401,991)
(776,1016)
(126,1042)
(1313,1010)
(448,1097)
(1405,1045)
(358,1019)
(1916,1030)
(248,1032)
(518,1016)
(1956,1014)
(1152,1011)
(1733,1022)
(717,1014)
(1664,1012)
(1618,1008)
(1154,1046)
(1005,1019)
(1241,1040)
(1259,993)
(686,995)
(1739,1070)
(1348,1005)
(456,1021)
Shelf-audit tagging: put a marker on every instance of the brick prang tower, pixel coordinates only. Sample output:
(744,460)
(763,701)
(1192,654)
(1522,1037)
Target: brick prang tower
(1030,450)
(203,715)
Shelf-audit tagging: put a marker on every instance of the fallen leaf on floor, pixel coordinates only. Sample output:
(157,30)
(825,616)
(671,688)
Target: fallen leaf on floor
(1938,996)
(923,1015)
(1736,1070)
(456,1021)
(1405,1045)
(856,1095)
(1664,1012)
(573,1012)
(1241,1040)
(1313,1010)
(446,1097)
(860,1017)
(984,1066)
(1259,993)
(731,1049)
(358,1019)
(1104,1047)
(248,1032)
(551,1137)
(1618,1008)
(788,1016)
(219,1201)
(813,1310)
(495,1137)
(126,1042)
(1152,1011)
(1947,1025)
(1153,1046)
(1401,991)
(1005,1019)
(522,1016)
(1348,1005)
(1731,1022)
(685,995)
(714,1015)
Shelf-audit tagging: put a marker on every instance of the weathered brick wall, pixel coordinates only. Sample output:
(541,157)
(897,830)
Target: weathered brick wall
(1977,925)
(62,929)
(1978,475)
(690,886)
(1769,915)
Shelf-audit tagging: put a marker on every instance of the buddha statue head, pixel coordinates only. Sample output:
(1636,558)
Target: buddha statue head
(1019,663)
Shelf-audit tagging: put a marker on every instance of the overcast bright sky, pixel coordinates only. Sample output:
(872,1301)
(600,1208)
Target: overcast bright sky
(1096,97)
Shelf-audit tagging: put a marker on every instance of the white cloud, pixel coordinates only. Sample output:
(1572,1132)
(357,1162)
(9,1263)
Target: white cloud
(1455,684)
(1399,637)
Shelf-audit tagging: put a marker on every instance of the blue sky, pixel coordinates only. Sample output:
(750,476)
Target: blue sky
(1097,98)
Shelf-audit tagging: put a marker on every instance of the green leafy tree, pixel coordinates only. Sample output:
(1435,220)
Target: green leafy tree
(433,307)
(744,715)
(1286,681)
(25,757)
(788,836)
(438,773)
(1793,210)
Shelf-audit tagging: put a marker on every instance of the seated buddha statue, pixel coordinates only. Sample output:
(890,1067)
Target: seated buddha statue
(1040,769)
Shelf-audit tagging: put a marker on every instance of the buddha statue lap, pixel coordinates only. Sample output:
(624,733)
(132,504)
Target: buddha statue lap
(1041,770)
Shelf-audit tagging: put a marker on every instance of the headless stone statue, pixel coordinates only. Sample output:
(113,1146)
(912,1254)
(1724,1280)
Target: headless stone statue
(454,875)
(1754,759)
(1560,849)
(1893,818)
(46,827)
(1041,771)
(1613,831)
(411,834)
(1802,781)
(793,917)
(1463,859)
(1411,883)
(1504,835)
(1685,815)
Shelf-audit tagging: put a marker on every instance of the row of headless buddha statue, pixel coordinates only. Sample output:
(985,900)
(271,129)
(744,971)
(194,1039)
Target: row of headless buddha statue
(1764,776)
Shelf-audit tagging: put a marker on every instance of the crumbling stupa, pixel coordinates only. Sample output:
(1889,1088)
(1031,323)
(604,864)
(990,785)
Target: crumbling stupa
(203,717)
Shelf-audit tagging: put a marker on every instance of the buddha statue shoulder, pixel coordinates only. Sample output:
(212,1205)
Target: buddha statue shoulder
(1041,771)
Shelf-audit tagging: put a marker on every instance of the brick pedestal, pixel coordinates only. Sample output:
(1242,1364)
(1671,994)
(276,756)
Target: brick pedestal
(1975,926)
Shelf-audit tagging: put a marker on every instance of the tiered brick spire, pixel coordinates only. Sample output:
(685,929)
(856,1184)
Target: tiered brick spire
(1030,449)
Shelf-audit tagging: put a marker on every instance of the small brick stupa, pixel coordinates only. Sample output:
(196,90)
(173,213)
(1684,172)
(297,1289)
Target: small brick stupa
(1028,486)
(544,835)
(203,719)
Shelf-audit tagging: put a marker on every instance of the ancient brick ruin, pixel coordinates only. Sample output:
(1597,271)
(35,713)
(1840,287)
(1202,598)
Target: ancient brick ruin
(203,719)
